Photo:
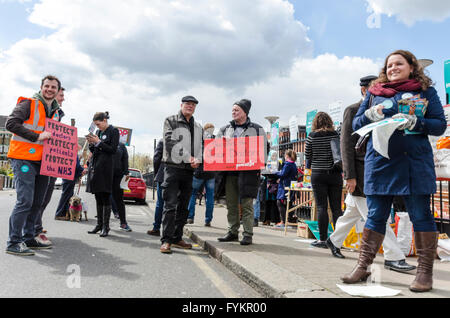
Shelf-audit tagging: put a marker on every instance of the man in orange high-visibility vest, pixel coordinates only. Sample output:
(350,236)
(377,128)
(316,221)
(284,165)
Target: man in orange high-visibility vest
(27,123)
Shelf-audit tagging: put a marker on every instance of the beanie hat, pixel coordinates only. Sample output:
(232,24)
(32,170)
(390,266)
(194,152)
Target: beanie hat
(245,104)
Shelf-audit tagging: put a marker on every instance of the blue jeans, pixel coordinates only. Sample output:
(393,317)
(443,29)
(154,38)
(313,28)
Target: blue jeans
(209,189)
(159,207)
(30,189)
(417,206)
(257,208)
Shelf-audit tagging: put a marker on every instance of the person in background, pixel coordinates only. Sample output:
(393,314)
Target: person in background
(409,171)
(39,230)
(68,189)
(120,170)
(272,215)
(204,179)
(287,174)
(158,168)
(326,181)
(103,145)
(257,202)
(356,205)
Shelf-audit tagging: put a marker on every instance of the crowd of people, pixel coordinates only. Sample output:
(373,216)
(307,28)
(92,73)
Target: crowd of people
(372,181)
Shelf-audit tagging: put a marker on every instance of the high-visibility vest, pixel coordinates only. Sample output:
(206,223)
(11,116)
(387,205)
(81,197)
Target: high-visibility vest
(24,149)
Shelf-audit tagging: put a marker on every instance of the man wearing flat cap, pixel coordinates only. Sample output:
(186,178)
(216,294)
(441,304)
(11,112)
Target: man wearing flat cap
(182,153)
(356,206)
(241,187)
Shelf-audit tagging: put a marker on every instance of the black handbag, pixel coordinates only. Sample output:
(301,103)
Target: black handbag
(335,144)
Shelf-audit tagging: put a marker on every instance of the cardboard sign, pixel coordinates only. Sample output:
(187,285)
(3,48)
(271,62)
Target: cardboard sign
(234,154)
(59,156)
(309,119)
(125,135)
(275,133)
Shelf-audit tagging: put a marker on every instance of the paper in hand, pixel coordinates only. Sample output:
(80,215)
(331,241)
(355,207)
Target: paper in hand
(124,183)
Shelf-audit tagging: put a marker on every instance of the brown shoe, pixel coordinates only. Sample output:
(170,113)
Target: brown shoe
(61,218)
(182,244)
(165,248)
(154,232)
(370,244)
(426,244)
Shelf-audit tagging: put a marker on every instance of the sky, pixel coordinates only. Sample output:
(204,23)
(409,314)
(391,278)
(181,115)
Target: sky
(137,59)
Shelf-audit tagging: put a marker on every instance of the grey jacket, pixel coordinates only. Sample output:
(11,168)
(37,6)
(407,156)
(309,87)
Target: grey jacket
(352,162)
(182,140)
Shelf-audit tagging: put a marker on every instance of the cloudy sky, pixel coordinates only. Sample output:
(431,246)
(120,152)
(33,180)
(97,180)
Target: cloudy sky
(137,58)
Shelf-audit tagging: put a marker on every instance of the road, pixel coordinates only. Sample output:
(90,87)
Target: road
(121,265)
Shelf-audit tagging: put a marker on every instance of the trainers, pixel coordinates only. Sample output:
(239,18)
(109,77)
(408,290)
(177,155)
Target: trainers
(125,227)
(42,238)
(116,215)
(35,245)
(20,249)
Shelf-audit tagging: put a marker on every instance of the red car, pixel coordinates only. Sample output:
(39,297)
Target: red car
(137,186)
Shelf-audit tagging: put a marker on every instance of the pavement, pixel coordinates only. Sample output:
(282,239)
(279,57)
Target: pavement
(287,266)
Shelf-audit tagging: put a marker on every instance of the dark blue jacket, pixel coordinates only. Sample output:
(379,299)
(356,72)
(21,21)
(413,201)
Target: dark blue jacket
(286,175)
(410,169)
(78,171)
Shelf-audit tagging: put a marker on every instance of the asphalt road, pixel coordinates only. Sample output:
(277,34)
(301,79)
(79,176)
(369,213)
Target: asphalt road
(121,265)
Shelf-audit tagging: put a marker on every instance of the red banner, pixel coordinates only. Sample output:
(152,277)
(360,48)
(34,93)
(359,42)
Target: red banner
(234,154)
(60,151)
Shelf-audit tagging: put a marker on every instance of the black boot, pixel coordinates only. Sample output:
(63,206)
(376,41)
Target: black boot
(228,238)
(99,225)
(334,250)
(106,216)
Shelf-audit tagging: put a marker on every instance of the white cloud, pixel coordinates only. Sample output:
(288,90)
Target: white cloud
(136,59)
(412,11)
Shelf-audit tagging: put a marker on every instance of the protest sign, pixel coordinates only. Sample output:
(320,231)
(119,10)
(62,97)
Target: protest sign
(274,133)
(309,119)
(447,78)
(59,155)
(293,128)
(234,154)
(125,135)
(335,112)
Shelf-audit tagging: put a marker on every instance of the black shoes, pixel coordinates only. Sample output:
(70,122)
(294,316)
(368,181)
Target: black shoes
(334,250)
(96,229)
(399,266)
(255,223)
(35,245)
(228,238)
(247,240)
(320,244)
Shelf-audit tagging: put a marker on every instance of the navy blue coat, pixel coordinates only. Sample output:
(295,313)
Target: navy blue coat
(286,175)
(410,169)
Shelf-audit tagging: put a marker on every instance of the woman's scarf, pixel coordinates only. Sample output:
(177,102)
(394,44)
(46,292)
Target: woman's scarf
(391,88)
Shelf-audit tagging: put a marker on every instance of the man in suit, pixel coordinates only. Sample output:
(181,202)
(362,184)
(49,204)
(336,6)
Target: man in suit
(353,166)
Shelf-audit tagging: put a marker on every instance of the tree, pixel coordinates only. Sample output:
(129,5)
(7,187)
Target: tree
(140,161)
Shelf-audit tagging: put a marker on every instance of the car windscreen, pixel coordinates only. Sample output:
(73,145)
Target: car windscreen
(135,174)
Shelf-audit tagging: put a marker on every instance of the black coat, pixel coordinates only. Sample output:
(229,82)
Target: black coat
(121,161)
(101,165)
(352,162)
(158,165)
(248,181)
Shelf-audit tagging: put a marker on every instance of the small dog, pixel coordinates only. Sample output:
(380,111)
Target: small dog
(75,209)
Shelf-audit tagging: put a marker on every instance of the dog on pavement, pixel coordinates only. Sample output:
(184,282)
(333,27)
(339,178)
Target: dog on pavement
(75,209)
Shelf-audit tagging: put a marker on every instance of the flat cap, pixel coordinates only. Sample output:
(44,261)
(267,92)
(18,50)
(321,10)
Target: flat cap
(365,81)
(186,99)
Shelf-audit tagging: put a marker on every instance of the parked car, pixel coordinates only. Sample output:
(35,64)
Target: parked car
(137,186)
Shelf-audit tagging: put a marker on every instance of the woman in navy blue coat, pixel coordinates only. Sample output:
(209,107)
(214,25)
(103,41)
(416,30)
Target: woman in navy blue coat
(286,175)
(410,170)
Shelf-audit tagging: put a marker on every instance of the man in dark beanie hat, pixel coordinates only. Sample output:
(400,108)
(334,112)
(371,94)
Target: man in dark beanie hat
(356,206)
(241,187)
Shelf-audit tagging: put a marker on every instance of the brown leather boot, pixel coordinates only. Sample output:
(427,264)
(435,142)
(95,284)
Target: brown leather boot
(370,244)
(426,244)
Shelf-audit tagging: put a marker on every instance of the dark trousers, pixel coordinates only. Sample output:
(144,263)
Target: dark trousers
(176,191)
(68,189)
(117,196)
(271,211)
(327,187)
(282,209)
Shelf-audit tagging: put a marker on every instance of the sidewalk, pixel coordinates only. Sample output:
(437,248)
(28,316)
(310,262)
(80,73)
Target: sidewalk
(287,266)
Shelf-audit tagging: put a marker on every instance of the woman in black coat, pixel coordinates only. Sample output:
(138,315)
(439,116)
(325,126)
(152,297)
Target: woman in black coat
(103,146)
